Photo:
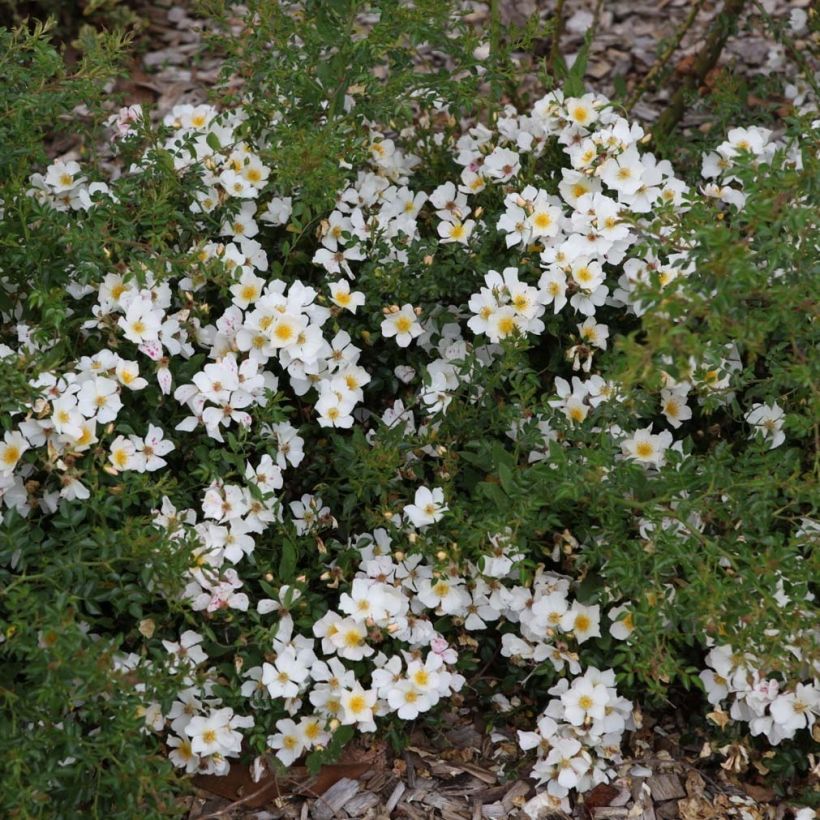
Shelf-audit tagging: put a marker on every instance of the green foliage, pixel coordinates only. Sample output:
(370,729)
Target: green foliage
(316,75)
(39,91)
(72,738)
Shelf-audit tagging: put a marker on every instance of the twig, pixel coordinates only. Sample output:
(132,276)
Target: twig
(596,18)
(705,61)
(228,809)
(246,799)
(664,58)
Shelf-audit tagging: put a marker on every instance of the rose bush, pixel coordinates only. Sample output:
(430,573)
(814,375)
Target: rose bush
(511,400)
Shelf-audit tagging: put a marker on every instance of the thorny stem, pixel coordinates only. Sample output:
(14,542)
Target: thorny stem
(664,58)
(596,18)
(705,61)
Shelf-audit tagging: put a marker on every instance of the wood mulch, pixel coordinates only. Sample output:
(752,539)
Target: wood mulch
(466,772)
(629,36)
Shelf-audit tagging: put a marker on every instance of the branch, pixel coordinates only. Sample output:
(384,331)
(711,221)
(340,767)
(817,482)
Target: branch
(707,58)
(664,58)
(266,786)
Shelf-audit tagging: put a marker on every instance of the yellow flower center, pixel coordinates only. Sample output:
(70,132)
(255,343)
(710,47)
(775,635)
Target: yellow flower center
(284,332)
(356,704)
(506,325)
(441,589)
(353,639)
(421,677)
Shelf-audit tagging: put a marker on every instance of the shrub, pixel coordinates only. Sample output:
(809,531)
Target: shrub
(317,420)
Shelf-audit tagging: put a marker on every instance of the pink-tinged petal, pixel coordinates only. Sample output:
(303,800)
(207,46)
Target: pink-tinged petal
(153,350)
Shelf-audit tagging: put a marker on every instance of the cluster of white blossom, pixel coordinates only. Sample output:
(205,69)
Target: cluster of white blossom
(63,187)
(772,707)
(764,703)
(578,737)
(394,595)
(275,334)
(202,734)
(66,418)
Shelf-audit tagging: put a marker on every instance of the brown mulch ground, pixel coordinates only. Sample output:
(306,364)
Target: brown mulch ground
(629,36)
(465,772)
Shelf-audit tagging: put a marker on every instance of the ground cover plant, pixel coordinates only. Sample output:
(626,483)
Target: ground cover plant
(338,402)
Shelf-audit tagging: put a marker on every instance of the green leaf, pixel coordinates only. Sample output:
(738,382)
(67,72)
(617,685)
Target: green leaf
(287,561)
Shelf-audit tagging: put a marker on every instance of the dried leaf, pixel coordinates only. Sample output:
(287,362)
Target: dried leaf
(694,784)
(762,794)
(719,718)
